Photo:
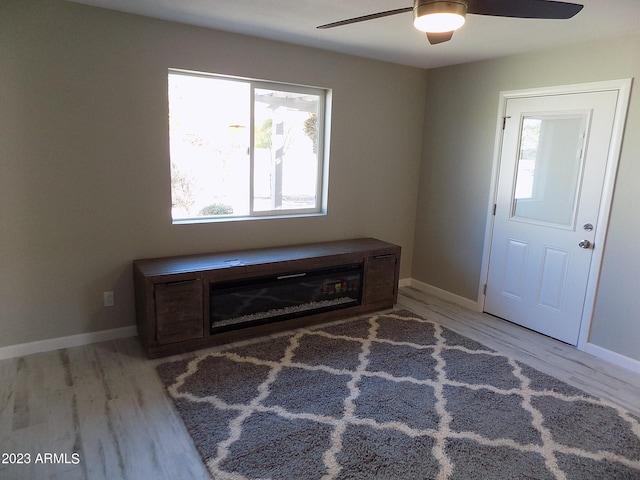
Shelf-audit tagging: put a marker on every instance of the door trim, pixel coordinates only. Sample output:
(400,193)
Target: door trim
(623,87)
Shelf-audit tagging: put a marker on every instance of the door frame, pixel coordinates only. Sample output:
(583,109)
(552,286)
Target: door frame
(623,87)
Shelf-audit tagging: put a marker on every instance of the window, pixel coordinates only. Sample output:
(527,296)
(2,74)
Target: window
(244,148)
(549,167)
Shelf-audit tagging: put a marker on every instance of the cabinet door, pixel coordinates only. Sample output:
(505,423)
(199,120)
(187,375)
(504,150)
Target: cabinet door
(380,279)
(179,311)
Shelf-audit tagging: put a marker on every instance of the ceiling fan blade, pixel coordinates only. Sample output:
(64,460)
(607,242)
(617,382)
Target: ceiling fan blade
(366,17)
(524,8)
(441,37)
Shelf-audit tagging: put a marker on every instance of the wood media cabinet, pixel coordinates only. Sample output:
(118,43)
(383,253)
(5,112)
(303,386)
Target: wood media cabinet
(188,302)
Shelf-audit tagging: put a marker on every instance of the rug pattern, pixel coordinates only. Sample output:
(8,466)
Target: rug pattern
(393,396)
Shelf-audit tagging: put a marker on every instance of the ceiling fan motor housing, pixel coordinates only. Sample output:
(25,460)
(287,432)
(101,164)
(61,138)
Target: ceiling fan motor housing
(426,7)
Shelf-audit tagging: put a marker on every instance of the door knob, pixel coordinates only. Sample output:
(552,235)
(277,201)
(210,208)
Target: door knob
(585,244)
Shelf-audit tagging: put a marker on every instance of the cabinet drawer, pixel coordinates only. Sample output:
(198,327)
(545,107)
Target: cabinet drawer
(179,311)
(380,279)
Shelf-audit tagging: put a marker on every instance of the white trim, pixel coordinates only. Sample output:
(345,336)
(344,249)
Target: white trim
(602,353)
(590,87)
(81,339)
(493,190)
(617,135)
(404,282)
(623,86)
(446,296)
(613,357)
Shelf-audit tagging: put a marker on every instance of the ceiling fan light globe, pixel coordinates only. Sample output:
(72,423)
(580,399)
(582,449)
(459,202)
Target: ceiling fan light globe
(439,22)
(436,16)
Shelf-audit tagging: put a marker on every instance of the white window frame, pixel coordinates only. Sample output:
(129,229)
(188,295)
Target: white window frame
(322,175)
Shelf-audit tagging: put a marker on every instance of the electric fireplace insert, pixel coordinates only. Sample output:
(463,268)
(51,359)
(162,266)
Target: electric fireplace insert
(246,303)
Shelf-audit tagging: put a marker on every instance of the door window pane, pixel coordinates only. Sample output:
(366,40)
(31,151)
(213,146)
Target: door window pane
(549,167)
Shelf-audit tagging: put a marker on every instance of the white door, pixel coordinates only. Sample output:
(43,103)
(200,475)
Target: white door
(550,183)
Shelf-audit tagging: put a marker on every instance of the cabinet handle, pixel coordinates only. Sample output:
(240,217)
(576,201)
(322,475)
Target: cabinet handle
(180,282)
(294,275)
(388,255)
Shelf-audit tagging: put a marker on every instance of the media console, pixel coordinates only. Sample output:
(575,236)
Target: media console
(188,302)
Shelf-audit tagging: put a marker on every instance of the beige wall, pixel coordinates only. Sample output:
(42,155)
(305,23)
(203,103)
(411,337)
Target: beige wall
(84,173)
(460,122)
(84,177)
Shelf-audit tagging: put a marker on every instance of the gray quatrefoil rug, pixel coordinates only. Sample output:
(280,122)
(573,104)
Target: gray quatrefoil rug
(393,396)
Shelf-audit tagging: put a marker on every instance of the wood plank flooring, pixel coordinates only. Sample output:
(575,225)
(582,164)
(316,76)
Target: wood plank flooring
(105,403)
(591,374)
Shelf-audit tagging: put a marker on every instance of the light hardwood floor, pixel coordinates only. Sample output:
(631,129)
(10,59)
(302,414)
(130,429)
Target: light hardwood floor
(105,403)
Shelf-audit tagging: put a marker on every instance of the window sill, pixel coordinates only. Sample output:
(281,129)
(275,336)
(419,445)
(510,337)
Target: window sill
(200,220)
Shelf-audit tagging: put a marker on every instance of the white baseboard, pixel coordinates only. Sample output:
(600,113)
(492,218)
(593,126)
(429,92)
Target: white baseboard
(600,352)
(48,345)
(444,295)
(613,357)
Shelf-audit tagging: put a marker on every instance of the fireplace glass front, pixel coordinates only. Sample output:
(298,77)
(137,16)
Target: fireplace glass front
(240,304)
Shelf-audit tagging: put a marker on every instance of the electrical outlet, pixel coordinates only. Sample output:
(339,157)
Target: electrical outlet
(109,299)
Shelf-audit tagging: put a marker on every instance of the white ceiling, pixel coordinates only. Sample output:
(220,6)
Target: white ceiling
(392,38)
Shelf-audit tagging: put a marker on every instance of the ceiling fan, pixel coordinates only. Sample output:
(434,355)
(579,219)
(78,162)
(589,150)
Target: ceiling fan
(439,18)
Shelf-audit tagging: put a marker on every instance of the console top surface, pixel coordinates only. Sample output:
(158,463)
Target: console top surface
(242,258)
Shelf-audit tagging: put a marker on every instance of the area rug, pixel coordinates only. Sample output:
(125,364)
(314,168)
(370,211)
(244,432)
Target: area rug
(393,396)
